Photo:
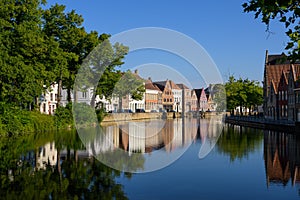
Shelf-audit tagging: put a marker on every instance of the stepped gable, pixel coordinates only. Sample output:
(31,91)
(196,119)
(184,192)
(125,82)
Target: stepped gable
(174,86)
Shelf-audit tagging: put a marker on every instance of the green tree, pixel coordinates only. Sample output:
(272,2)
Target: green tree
(26,53)
(75,42)
(288,12)
(243,93)
(129,84)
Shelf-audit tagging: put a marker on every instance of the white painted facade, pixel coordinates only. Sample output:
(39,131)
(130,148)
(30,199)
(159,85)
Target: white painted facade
(48,101)
(177,99)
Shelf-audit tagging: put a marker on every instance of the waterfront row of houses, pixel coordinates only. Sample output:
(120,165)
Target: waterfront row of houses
(281,88)
(158,96)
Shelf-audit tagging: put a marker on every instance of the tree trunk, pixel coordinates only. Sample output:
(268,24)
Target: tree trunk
(93,98)
(75,96)
(59,91)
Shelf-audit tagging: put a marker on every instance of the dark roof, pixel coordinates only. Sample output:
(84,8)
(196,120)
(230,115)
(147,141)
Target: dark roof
(160,84)
(182,86)
(198,92)
(279,59)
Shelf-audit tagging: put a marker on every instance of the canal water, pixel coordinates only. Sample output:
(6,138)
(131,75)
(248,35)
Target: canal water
(155,159)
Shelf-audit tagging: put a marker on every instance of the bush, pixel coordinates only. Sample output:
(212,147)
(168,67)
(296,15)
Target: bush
(63,116)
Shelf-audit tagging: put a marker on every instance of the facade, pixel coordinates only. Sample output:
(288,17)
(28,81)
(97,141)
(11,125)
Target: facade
(194,101)
(283,96)
(281,89)
(152,95)
(177,93)
(274,66)
(167,95)
(49,100)
(201,100)
(186,98)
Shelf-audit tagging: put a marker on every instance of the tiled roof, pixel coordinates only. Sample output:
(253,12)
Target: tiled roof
(174,86)
(273,73)
(295,69)
(150,86)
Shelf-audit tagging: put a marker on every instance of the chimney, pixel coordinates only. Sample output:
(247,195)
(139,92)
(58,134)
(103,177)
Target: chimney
(266,58)
(136,71)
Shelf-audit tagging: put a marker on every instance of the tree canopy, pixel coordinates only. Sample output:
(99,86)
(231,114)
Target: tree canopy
(243,93)
(288,13)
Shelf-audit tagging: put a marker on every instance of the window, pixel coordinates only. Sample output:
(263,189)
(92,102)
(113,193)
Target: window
(55,97)
(51,96)
(84,95)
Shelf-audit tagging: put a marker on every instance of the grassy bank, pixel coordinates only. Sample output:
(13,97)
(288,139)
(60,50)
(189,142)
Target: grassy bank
(16,121)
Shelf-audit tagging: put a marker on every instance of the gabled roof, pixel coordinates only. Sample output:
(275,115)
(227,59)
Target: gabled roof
(198,93)
(160,84)
(173,85)
(182,86)
(295,70)
(150,86)
(274,72)
(278,59)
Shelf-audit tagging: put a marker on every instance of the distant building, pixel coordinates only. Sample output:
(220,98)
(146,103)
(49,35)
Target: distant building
(194,101)
(186,98)
(281,88)
(167,95)
(177,93)
(201,100)
(152,96)
(49,100)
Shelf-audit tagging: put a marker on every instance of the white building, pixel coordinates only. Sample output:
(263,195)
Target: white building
(49,100)
(177,93)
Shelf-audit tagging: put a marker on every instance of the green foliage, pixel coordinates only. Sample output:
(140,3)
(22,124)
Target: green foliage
(243,93)
(84,114)
(288,13)
(129,83)
(15,121)
(63,117)
(237,143)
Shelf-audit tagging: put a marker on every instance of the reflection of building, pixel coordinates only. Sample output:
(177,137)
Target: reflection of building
(46,155)
(282,157)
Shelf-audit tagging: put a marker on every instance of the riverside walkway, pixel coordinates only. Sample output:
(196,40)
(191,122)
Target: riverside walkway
(262,123)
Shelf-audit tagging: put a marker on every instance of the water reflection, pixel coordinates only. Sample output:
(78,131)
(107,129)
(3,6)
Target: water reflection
(149,136)
(282,158)
(61,166)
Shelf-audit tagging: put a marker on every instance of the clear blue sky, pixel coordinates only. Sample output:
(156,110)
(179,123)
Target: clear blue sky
(234,40)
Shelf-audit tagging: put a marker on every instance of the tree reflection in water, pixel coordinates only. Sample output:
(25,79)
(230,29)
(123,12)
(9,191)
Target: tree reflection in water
(73,175)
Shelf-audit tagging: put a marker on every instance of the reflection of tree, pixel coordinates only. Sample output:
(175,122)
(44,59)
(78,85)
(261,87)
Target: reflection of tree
(74,177)
(239,142)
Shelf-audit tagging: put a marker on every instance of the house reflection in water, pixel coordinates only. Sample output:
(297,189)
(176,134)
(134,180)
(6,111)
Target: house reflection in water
(149,136)
(46,155)
(282,158)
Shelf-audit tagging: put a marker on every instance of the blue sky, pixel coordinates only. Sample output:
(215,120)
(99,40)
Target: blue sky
(235,40)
